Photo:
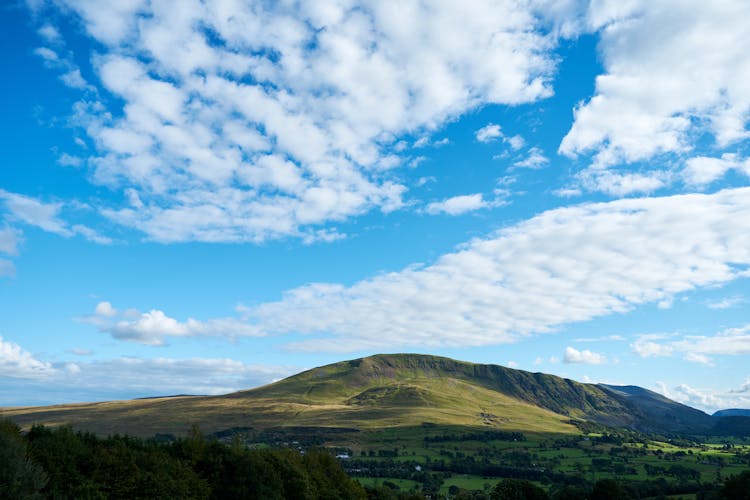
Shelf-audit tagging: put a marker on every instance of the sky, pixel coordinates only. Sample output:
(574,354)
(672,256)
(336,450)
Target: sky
(206,196)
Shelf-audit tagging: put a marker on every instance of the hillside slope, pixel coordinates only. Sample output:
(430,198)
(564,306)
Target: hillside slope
(386,391)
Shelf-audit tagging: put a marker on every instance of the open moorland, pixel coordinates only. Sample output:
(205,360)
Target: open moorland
(422,425)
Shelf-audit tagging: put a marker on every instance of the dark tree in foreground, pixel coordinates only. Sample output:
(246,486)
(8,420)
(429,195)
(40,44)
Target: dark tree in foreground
(608,489)
(20,477)
(517,489)
(737,487)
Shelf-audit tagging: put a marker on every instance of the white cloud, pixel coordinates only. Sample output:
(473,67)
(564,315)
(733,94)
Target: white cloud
(726,303)
(457,205)
(619,184)
(9,240)
(585,356)
(126,377)
(709,400)
(49,33)
(155,327)
(673,70)
(534,160)
(45,216)
(698,348)
(731,341)
(647,348)
(49,55)
(74,79)
(516,142)
(105,309)
(164,376)
(663,389)
(79,351)
(606,338)
(488,133)
(18,363)
(698,358)
(511,364)
(700,171)
(215,90)
(673,73)
(67,160)
(744,389)
(36,213)
(565,265)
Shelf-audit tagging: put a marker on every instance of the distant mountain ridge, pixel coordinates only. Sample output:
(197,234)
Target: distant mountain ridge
(732,412)
(389,390)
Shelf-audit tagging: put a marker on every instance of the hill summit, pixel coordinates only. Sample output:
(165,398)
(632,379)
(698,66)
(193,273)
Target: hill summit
(390,390)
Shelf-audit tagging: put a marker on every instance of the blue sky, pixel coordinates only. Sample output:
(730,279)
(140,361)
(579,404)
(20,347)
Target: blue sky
(205,198)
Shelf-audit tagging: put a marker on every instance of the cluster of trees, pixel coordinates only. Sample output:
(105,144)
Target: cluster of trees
(61,463)
(483,437)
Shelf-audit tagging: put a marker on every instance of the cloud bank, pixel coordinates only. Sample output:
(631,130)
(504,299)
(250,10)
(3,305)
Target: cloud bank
(237,121)
(125,377)
(562,266)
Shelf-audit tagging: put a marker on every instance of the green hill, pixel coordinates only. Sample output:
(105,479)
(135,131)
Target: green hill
(382,391)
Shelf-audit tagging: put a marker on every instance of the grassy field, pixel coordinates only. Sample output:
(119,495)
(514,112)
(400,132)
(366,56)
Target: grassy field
(547,455)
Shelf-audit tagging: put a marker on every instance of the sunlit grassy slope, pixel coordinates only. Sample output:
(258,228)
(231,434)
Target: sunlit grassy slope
(369,393)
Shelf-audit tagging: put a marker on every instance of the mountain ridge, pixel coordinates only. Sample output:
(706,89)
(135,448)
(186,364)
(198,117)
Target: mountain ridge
(390,390)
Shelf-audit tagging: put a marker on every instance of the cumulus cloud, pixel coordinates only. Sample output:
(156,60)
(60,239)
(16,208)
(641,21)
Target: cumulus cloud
(703,170)
(535,159)
(585,356)
(623,184)
(457,205)
(516,142)
(105,309)
(565,265)
(17,363)
(155,327)
(488,133)
(243,122)
(673,70)
(646,347)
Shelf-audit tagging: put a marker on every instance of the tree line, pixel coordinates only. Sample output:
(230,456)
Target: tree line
(62,463)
